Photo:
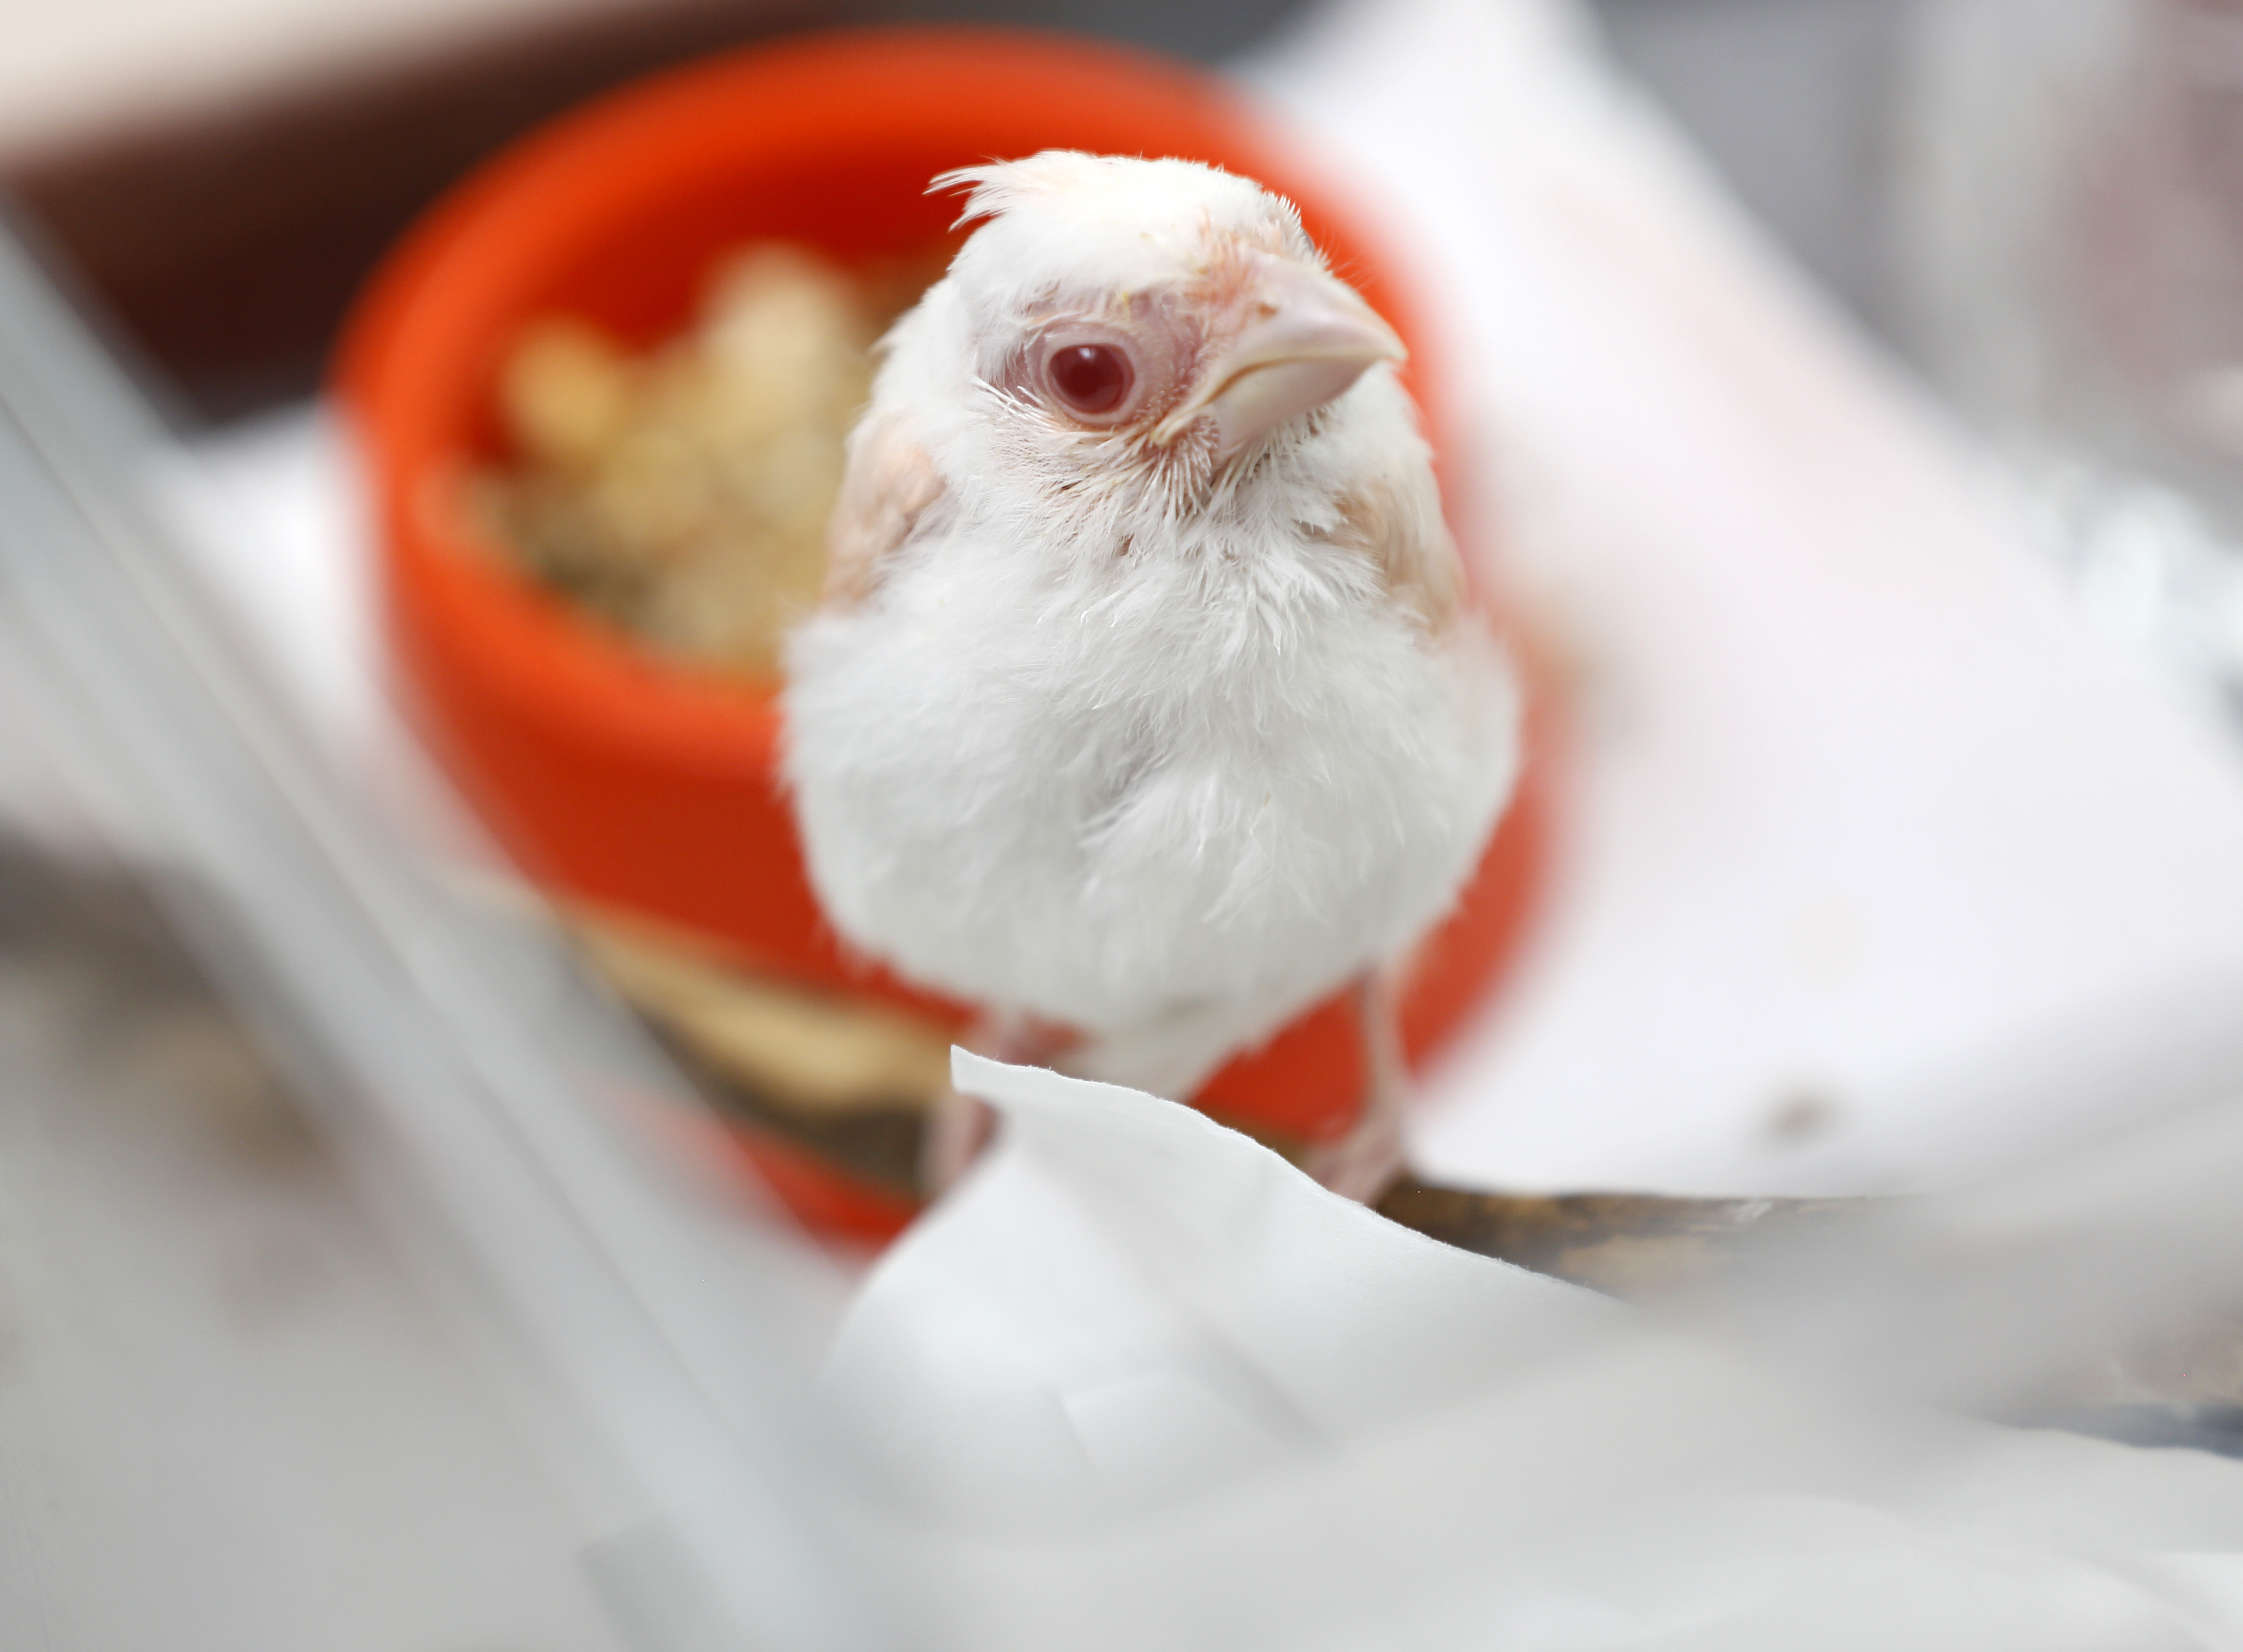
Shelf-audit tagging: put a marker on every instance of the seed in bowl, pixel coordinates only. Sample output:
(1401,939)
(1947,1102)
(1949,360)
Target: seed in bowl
(681,495)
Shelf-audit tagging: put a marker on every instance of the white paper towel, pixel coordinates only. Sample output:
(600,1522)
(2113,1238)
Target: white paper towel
(1139,1383)
(1877,863)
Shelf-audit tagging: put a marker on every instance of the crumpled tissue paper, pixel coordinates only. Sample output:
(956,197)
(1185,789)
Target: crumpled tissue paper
(1138,1382)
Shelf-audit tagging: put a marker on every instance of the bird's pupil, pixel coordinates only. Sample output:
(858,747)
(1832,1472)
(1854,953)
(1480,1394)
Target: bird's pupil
(1090,377)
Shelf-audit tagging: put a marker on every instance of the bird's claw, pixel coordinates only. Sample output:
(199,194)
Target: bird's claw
(1365,1162)
(958,1127)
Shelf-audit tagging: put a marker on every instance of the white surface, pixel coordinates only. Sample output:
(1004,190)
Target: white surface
(1862,813)
(1139,1383)
(229,1420)
(98,68)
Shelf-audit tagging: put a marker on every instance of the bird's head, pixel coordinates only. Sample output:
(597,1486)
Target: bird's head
(1152,314)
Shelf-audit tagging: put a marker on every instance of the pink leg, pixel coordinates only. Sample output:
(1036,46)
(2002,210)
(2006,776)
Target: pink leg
(1362,1163)
(958,1127)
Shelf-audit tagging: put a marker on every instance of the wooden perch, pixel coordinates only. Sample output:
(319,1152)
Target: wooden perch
(852,1081)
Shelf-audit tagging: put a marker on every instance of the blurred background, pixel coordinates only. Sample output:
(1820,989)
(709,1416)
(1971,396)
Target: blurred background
(223,174)
(225,1377)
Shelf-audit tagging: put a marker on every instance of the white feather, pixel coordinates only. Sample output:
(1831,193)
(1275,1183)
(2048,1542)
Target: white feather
(1137,751)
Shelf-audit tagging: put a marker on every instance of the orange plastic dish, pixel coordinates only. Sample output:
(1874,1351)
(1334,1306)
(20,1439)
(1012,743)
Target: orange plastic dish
(615,778)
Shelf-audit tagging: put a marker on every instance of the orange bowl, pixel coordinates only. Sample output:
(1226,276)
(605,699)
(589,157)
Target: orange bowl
(618,779)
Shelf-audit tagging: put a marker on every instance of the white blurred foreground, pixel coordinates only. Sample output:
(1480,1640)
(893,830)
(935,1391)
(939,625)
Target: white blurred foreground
(1141,1383)
(1862,810)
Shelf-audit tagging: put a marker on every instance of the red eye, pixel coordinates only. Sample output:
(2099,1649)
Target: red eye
(1090,377)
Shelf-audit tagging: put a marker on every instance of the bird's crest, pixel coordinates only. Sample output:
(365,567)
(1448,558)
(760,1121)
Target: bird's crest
(993,188)
(996,187)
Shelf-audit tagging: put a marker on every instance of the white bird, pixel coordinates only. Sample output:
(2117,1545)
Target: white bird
(1144,706)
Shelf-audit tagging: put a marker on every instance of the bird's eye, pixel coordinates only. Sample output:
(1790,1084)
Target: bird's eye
(1091,379)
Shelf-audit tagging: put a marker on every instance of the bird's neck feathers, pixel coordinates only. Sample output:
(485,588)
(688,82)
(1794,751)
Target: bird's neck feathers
(1102,502)
(1098,518)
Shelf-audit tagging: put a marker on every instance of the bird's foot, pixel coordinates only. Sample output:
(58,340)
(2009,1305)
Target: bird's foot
(958,1127)
(1366,1161)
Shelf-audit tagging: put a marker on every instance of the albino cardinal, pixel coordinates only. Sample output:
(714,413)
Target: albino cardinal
(1143,707)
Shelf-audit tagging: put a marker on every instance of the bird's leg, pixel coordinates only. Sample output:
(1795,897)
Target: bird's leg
(957,1126)
(1365,1161)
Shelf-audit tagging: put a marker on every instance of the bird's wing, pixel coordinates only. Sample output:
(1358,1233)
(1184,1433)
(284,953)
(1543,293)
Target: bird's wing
(890,486)
(1395,519)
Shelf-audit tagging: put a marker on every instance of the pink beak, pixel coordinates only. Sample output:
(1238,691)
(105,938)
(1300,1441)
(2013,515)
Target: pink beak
(1311,338)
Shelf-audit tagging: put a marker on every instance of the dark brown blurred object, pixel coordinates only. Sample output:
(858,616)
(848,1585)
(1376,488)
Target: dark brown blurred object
(87,959)
(849,1080)
(226,251)
(1636,1246)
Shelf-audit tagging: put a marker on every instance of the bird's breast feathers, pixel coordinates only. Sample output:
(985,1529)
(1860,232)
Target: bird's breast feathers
(1143,677)
(1263,745)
